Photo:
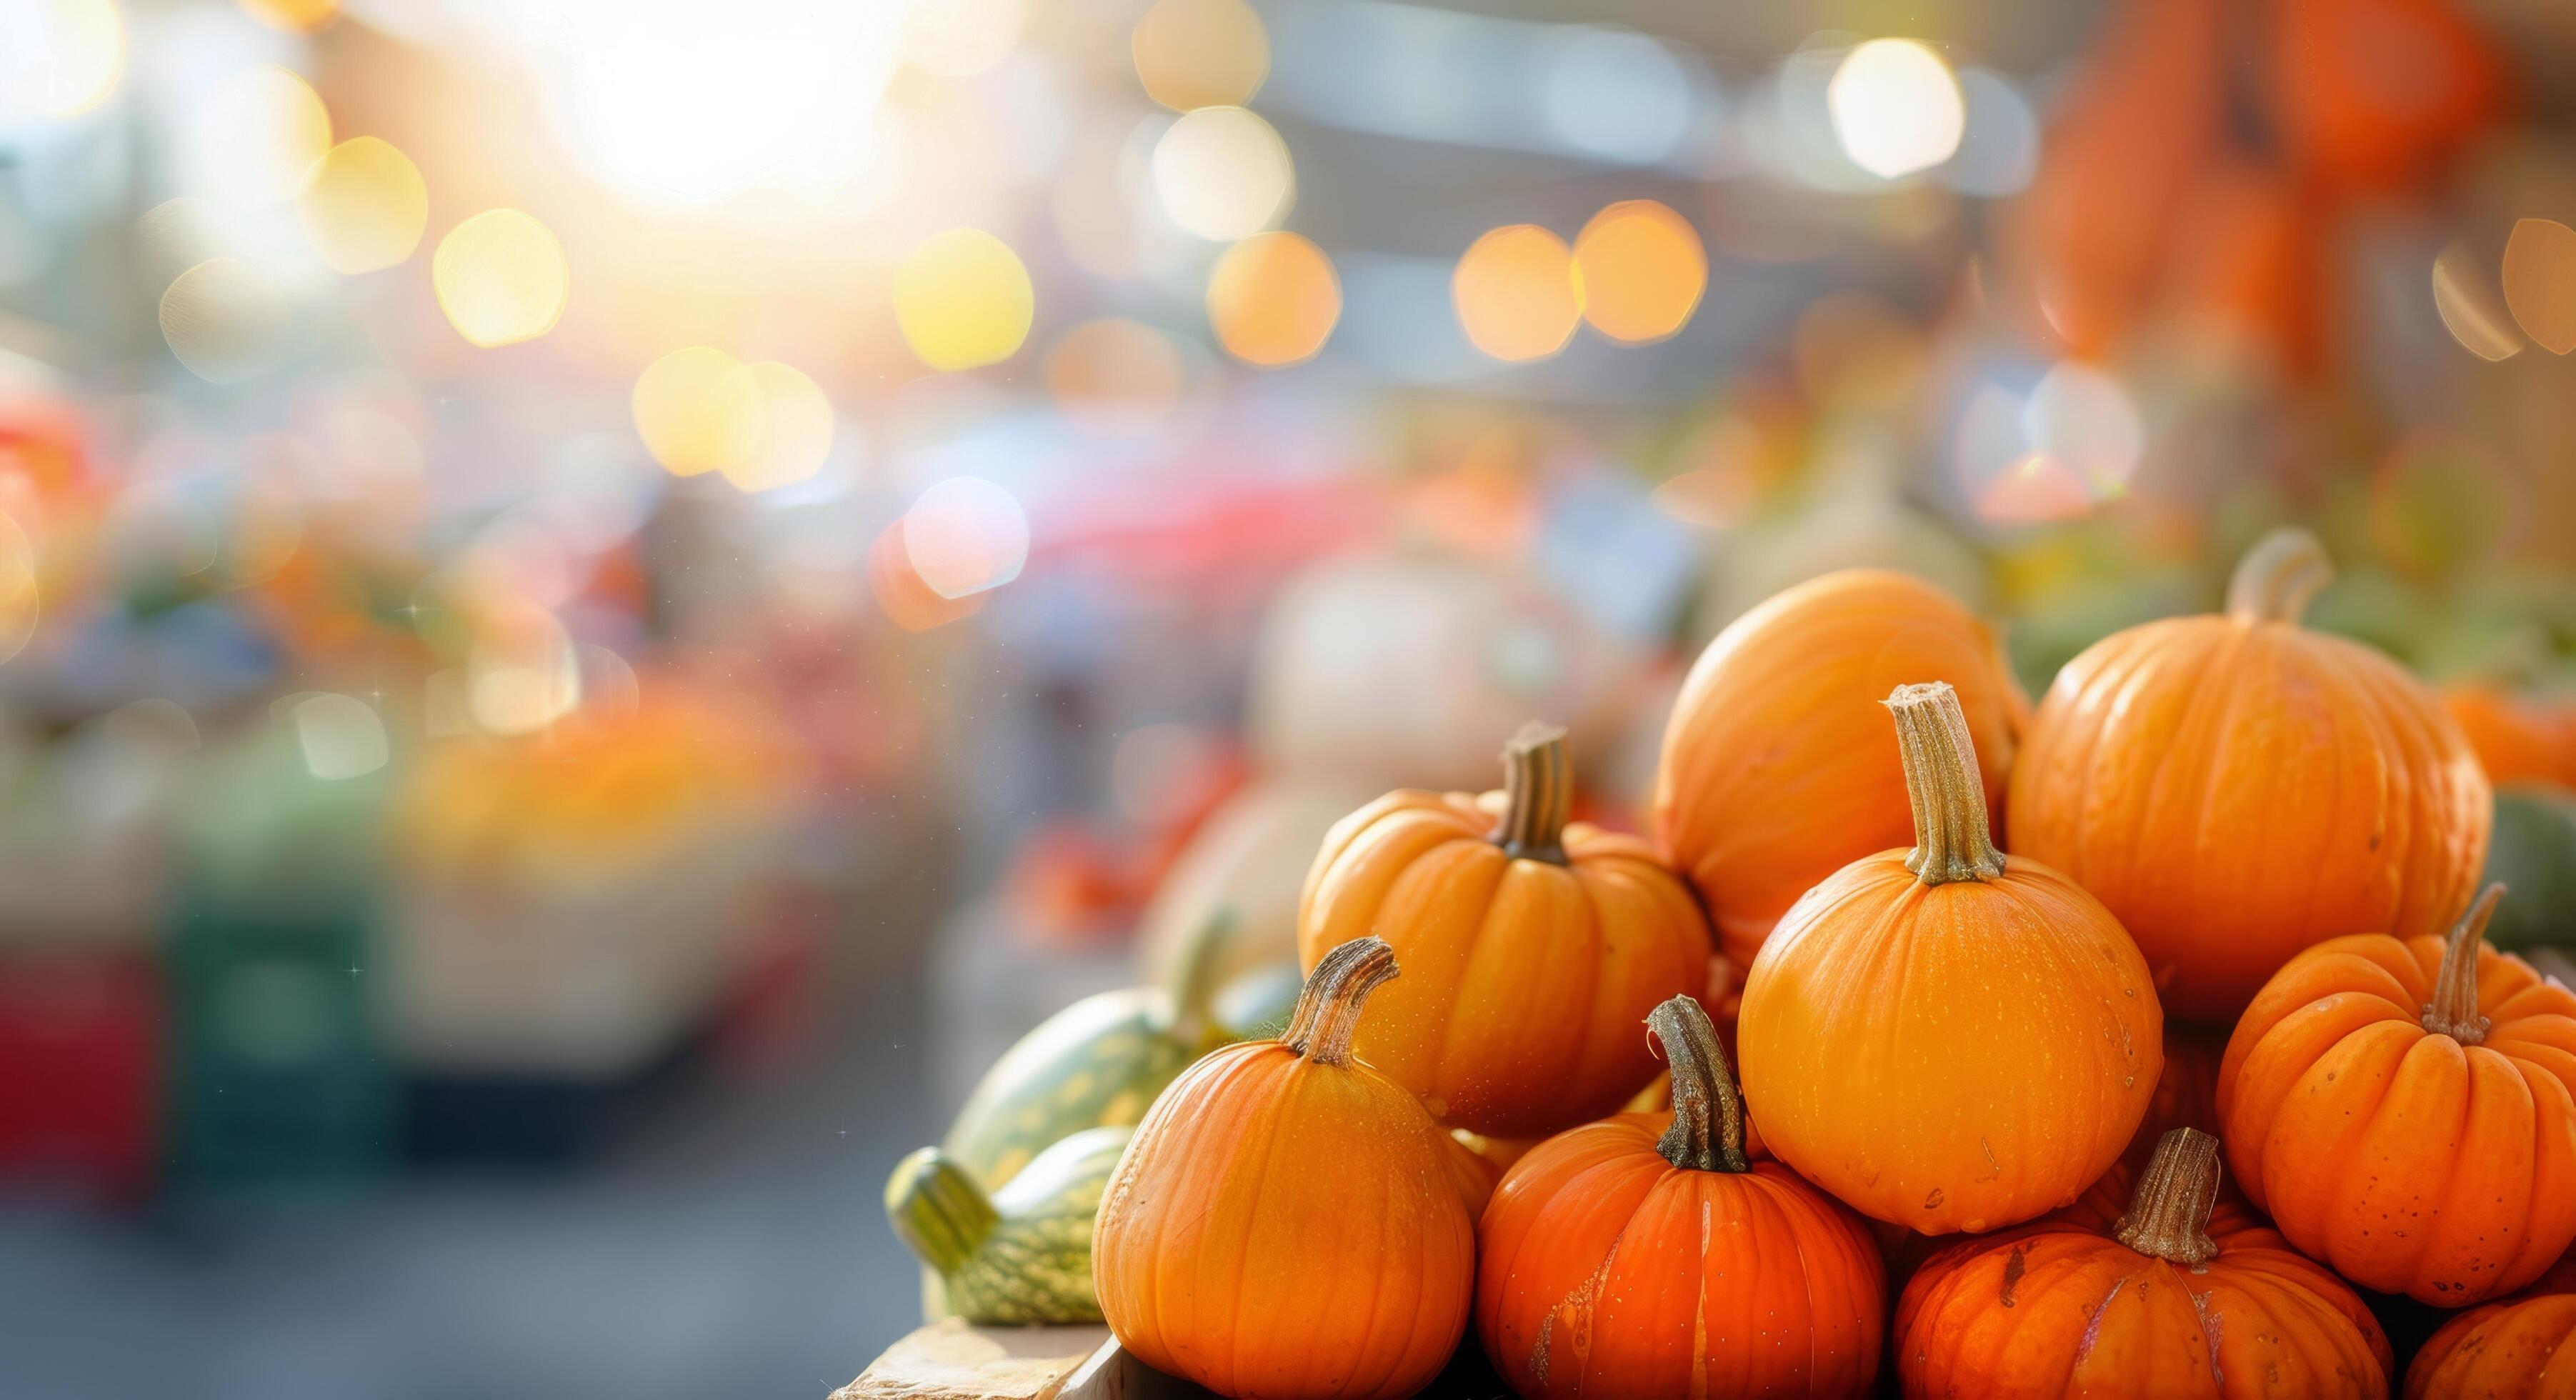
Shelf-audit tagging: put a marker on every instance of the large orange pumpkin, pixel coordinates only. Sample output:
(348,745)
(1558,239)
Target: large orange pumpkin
(1531,948)
(1949,1039)
(2184,1296)
(1287,1221)
(1646,1256)
(1776,770)
(2236,788)
(2406,1110)
(2523,1348)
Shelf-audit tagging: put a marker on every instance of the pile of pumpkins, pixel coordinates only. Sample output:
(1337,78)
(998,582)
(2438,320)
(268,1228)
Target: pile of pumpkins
(1953,1127)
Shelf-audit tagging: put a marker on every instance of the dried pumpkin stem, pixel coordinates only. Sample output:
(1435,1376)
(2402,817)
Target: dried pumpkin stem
(2279,577)
(2453,1011)
(941,1213)
(1538,795)
(1328,1011)
(2169,1215)
(1952,840)
(1707,1134)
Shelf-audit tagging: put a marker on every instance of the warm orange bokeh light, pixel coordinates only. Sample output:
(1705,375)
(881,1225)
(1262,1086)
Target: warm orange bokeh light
(1273,299)
(1114,376)
(1201,53)
(293,16)
(1641,271)
(1516,293)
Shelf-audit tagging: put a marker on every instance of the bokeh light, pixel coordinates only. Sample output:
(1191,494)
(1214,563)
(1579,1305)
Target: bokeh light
(342,736)
(522,672)
(1114,376)
(1896,107)
(259,133)
(698,410)
(2082,417)
(2540,282)
(363,206)
(1641,269)
(1614,94)
(1223,173)
(963,299)
(965,536)
(960,38)
(19,605)
(58,58)
(908,601)
(501,278)
(224,319)
(1273,299)
(1200,53)
(1516,294)
(293,16)
(795,434)
(2470,305)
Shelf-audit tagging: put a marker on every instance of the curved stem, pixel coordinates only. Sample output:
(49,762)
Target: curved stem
(1707,1134)
(2453,1011)
(1194,978)
(1538,795)
(2169,1215)
(1328,1011)
(2278,577)
(1952,840)
(942,1215)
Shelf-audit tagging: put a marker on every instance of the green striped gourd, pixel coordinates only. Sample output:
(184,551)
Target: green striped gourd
(2533,854)
(1017,1256)
(1097,1063)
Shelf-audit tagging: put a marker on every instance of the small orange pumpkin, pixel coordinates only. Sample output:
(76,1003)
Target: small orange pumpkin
(1287,1221)
(2185,1295)
(2186,1090)
(2517,1349)
(1531,948)
(2236,788)
(2518,738)
(1949,1039)
(1646,1256)
(2406,1110)
(1775,769)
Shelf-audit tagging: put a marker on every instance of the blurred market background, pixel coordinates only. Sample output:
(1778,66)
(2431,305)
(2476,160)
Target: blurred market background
(600,601)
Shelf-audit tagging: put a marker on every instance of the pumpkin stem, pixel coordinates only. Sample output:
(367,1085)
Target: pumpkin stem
(2453,1011)
(1538,795)
(1952,840)
(1328,1011)
(942,1215)
(1194,978)
(2278,577)
(1707,1134)
(2169,1215)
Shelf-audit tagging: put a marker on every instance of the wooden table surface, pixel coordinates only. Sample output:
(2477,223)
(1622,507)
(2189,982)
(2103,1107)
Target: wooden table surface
(950,1360)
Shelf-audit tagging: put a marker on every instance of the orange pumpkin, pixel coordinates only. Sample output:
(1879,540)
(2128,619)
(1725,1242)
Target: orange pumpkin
(2186,1090)
(2519,739)
(1647,1256)
(1286,1222)
(1776,770)
(2518,1349)
(2184,1296)
(1531,948)
(2236,788)
(2406,1110)
(1949,1039)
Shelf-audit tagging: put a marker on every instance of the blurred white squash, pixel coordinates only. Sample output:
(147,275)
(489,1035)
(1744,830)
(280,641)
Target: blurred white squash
(1250,857)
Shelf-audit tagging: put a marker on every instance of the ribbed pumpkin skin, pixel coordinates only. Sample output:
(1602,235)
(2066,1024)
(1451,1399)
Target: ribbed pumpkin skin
(1610,1274)
(1282,1228)
(2407,1162)
(1949,1057)
(1524,981)
(1776,769)
(2522,1348)
(2236,790)
(2055,1309)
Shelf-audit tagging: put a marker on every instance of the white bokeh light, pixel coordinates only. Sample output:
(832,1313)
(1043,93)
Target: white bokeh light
(1897,108)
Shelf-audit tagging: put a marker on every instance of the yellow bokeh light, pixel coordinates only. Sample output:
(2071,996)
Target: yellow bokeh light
(1223,173)
(500,278)
(1115,377)
(960,38)
(1896,107)
(963,299)
(363,206)
(2470,306)
(60,58)
(2540,282)
(698,410)
(1273,299)
(1201,53)
(293,16)
(224,320)
(262,132)
(1640,270)
(795,433)
(1516,293)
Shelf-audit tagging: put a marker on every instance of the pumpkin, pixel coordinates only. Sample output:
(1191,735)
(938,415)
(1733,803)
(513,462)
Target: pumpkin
(1648,1256)
(2236,788)
(2175,1299)
(1949,1039)
(1776,771)
(1248,861)
(2406,1110)
(2519,739)
(1532,948)
(1017,1256)
(2186,1090)
(2517,1349)
(2377,97)
(1097,1063)
(1286,1222)
(2533,853)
